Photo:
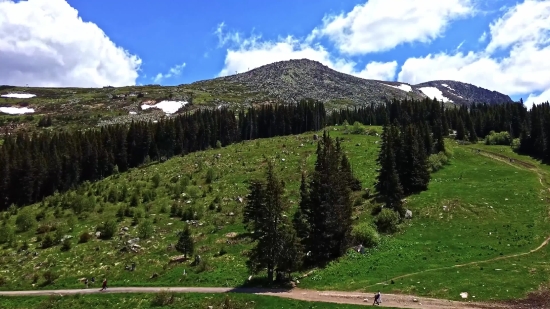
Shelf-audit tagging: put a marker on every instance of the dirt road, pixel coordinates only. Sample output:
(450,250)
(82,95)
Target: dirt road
(388,300)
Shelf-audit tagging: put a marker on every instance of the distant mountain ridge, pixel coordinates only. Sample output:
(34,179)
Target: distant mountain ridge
(293,80)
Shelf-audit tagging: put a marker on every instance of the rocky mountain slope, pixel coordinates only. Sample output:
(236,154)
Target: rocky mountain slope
(292,80)
(463,93)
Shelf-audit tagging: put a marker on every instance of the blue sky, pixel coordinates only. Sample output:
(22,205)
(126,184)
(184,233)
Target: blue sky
(501,45)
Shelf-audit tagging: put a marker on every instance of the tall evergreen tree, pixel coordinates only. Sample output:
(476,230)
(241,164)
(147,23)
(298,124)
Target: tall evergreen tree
(273,234)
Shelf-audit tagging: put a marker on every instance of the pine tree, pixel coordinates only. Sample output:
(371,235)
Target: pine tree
(303,213)
(273,234)
(414,174)
(185,243)
(329,210)
(388,184)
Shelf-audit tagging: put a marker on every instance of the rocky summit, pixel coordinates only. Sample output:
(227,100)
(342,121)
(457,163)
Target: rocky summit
(293,80)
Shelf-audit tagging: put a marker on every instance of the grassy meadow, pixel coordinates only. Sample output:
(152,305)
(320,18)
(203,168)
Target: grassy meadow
(476,209)
(142,301)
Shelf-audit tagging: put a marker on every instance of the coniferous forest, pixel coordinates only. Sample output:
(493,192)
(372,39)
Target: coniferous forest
(35,166)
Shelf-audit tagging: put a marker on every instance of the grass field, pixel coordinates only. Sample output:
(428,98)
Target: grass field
(135,301)
(476,209)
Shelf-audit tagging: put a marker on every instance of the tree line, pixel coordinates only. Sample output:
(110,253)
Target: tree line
(35,166)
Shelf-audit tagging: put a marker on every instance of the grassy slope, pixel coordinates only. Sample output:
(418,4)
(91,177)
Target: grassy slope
(138,301)
(494,210)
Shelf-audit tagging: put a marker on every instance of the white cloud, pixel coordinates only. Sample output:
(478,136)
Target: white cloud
(537,99)
(379,70)
(252,52)
(380,25)
(522,31)
(173,72)
(46,43)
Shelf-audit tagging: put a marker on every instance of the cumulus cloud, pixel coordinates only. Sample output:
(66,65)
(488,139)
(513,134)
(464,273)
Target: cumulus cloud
(175,71)
(252,52)
(46,43)
(380,25)
(522,33)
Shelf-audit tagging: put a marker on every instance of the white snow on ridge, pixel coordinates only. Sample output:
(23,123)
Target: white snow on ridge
(433,92)
(16,110)
(18,95)
(447,86)
(169,107)
(403,87)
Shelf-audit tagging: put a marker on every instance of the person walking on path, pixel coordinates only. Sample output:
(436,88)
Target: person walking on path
(104,287)
(377,299)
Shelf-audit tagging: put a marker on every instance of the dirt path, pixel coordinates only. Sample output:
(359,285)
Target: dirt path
(504,159)
(388,300)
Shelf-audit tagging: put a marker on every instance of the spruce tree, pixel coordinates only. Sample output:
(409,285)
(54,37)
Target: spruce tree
(185,243)
(265,218)
(330,208)
(414,173)
(388,184)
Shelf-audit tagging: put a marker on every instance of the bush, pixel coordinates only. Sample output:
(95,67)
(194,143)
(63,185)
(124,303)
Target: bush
(25,220)
(501,138)
(7,235)
(47,241)
(162,298)
(366,235)
(210,175)
(437,161)
(50,276)
(108,229)
(66,245)
(84,237)
(146,229)
(387,221)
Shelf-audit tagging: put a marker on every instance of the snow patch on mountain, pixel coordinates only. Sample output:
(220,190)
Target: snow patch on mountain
(433,92)
(403,87)
(18,95)
(169,107)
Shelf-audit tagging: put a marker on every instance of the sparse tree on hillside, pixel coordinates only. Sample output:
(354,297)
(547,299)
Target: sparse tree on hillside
(185,244)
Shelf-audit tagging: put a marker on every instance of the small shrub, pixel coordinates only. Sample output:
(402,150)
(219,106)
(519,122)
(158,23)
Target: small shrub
(108,229)
(66,245)
(47,242)
(25,246)
(50,276)
(202,267)
(146,229)
(7,235)
(25,220)
(366,235)
(501,138)
(437,161)
(162,298)
(210,175)
(222,251)
(387,221)
(3,281)
(218,144)
(84,237)
(44,228)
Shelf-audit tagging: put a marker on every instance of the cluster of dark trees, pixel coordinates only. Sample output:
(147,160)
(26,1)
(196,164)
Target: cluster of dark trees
(35,166)
(321,227)
(403,161)
(469,123)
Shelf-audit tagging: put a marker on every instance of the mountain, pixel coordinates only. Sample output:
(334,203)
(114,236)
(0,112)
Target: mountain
(292,80)
(463,93)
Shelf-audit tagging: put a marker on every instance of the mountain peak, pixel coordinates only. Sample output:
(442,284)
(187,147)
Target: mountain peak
(293,80)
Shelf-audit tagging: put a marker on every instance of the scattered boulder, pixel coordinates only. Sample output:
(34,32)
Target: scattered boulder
(408,214)
(125,229)
(415,300)
(154,275)
(464,295)
(178,259)
(231,214)
(98,234)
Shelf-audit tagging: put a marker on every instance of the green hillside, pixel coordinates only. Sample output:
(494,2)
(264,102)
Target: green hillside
(477,209)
